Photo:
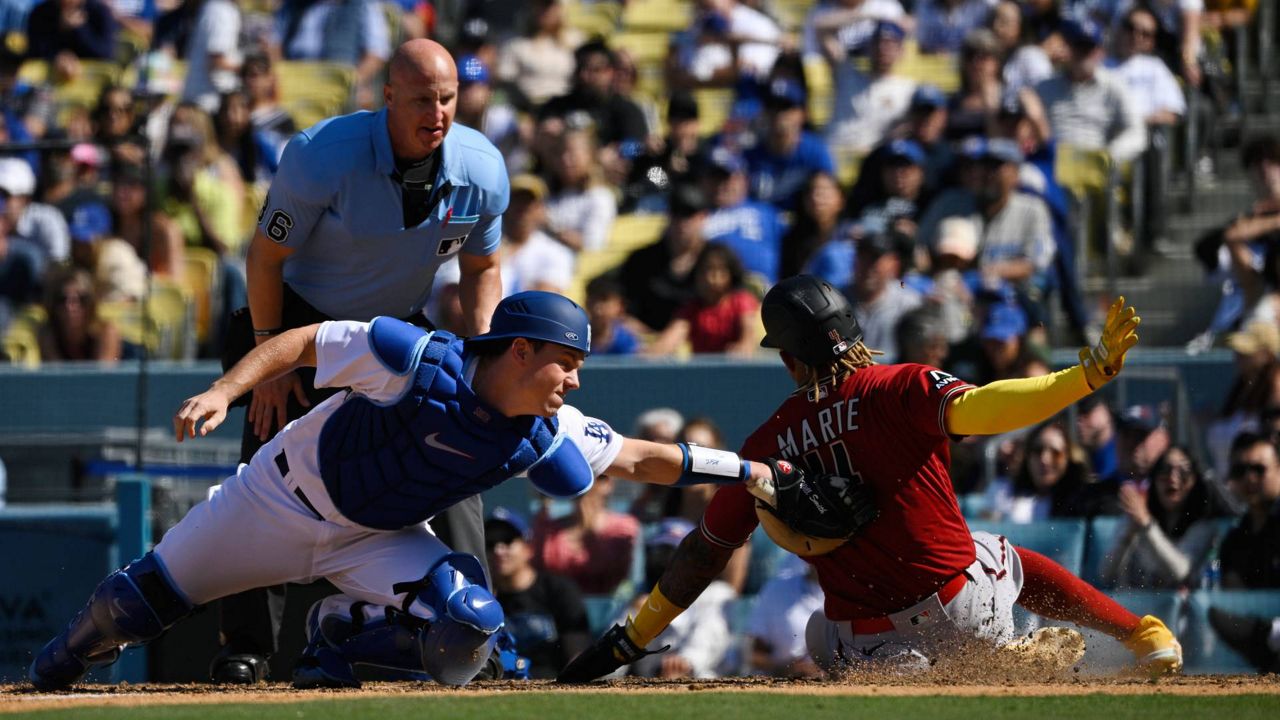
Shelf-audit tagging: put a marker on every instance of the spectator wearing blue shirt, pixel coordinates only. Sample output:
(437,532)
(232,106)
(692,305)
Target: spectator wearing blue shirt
(607,309)
(752,230)
(13,16)
(787,154)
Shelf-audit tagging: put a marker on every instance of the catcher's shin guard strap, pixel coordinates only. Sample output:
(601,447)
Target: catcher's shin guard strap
(704,465)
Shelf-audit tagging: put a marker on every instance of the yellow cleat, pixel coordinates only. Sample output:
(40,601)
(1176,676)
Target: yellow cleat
(1155,647)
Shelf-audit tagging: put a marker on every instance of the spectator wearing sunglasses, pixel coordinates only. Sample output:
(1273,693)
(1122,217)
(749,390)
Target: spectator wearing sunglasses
(1250,553)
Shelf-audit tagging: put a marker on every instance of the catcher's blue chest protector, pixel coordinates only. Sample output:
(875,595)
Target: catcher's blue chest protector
(392,466)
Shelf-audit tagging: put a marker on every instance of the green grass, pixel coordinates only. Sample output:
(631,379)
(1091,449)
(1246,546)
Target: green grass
(704,706)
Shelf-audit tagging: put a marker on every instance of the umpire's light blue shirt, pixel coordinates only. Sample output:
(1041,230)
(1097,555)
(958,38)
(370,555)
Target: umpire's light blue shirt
(335,203)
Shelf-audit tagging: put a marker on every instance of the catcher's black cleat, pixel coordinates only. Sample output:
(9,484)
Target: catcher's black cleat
(613,650)
(230,668)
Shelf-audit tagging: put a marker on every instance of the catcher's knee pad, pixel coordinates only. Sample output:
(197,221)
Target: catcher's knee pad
(463,616)
(132,605)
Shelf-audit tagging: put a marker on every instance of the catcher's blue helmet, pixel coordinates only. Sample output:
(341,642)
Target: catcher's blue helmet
(538,315)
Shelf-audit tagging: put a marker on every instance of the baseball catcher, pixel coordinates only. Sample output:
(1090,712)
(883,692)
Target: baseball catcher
(874,511)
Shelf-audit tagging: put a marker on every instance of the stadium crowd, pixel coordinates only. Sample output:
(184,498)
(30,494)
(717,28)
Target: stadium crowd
(667,192)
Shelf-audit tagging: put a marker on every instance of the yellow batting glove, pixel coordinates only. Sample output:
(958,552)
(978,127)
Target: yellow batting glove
(1103,361)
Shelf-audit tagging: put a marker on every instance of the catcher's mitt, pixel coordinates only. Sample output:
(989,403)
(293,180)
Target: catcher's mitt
(812,514)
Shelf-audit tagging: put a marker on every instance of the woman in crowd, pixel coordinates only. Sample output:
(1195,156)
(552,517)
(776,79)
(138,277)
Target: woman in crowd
(722,318)
(581,209)
(1169,527)
(1052,481)
(74,330)
(821,203)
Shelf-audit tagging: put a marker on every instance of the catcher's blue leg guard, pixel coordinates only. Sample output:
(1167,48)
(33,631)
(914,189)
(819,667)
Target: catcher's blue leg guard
(133,605)
(448,628)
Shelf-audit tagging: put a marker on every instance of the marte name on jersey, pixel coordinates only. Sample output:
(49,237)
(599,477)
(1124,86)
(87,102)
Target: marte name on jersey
(831,422)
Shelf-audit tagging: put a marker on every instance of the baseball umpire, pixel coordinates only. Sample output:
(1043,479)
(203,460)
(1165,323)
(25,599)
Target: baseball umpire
(363,211)
(345,491)
(905,581)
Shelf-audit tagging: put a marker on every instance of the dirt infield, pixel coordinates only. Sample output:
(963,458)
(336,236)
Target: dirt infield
(14,698)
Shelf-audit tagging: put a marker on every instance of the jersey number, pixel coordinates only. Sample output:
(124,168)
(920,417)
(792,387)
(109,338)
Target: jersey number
(835,461)
(279,227)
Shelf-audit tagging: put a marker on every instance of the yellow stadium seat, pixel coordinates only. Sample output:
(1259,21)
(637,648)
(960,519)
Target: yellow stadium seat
(593,19)
(34,72)
(660,15)
(646,48)
(634,231)
(171,313)
(942,70)
(315,80)
(199,284)
(128,319)
(714,106)
(21,344)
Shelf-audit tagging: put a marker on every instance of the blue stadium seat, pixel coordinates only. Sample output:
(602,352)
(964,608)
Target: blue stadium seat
(1205,651)
(1061,539)
(1102,535)
(602,610)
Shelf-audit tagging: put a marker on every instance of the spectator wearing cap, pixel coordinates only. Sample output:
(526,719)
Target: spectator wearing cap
(975,104)
(722,317)
(751,230)
(1152,86)
(1143,438)
(478,109)
(998,349)
(729,39)
(349,32)
(90,223)
(74,330)
(1250,553)
(943,24)
(607,311)
(1096,428)
(787,154)
(1085,106)
(844,28)
(532,259)
(213,53)
(880,299)
(39,224)
(544,611)
(539,65)
(867,105)
(1256,346)
(1016,245)
(593,546)
(776,627)
(64,31)
(581,208)
(925,123)
(700,643)
(658,279)
(922,338)
(675,160)
(902,198)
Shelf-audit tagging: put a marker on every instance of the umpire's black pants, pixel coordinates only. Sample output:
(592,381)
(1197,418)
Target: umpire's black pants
(250,621)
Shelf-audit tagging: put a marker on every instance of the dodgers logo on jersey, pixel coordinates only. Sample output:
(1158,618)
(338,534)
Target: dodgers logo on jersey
(599,431)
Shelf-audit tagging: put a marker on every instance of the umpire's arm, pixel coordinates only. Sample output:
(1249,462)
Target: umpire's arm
(278,355)
(264,271)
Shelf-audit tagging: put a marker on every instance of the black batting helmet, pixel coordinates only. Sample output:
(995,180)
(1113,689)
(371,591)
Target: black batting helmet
(809,319)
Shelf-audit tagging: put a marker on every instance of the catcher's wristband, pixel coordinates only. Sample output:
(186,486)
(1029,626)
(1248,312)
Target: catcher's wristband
(704,465)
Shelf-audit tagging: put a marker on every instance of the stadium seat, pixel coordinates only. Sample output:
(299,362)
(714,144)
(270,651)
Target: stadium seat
(941,70)
(1205,651)
(1060,539)
(200,275)
(602,610)
(171,312)
(1082,172)
(664,16)
(20,343)
(312,91)
(592,19)
(714,107)
(1101,536)
(646,48)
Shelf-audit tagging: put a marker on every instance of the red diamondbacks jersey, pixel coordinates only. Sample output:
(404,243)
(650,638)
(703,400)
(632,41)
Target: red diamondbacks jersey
(886,423)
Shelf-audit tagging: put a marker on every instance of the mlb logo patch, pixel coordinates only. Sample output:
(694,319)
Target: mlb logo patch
(449,246)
